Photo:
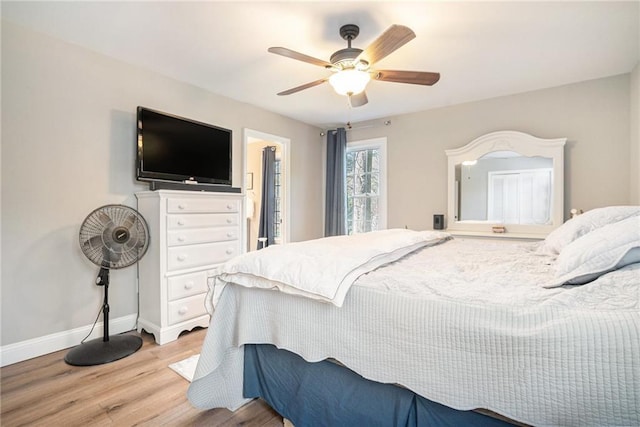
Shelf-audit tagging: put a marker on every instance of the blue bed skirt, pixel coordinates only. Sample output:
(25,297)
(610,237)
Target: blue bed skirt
(326,394)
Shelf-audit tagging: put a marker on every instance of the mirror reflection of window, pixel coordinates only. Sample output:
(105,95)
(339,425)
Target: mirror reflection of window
(506,187)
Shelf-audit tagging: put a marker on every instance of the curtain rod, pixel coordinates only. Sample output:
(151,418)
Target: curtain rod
(363,125)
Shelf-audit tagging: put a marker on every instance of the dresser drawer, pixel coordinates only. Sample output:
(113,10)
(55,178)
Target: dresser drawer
(201,235)
(186,285)
(182,257)
(185,309)
(195,205)
(179,222)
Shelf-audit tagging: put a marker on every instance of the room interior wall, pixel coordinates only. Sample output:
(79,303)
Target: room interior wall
(634,131)
(594,116)
(254,166)
(68,147)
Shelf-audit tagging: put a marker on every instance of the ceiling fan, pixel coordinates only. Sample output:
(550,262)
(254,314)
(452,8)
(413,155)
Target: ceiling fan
(351,66)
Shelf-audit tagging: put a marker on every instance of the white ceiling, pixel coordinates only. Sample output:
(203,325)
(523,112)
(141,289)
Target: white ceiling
(482,49)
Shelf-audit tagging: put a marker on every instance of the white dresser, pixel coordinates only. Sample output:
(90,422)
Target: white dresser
(191,232)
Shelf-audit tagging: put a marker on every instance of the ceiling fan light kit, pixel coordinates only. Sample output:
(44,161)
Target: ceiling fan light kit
(351,66)
(349,82)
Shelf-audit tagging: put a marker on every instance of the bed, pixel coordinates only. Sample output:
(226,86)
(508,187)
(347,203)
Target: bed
(543,333)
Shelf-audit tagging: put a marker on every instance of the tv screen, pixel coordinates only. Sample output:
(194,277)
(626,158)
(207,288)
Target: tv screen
(172,148)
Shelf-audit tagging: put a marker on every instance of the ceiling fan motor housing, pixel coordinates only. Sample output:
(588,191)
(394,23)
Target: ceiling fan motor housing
(345,57)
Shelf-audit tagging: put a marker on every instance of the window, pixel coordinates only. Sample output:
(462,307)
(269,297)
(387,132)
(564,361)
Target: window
(366,185)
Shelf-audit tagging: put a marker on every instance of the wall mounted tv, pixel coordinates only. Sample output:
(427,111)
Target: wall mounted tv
(176,150)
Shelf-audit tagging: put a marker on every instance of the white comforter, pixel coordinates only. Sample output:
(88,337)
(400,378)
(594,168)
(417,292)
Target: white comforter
(322,269)
(466,324)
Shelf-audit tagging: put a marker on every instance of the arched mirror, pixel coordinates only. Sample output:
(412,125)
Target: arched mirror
(507,184)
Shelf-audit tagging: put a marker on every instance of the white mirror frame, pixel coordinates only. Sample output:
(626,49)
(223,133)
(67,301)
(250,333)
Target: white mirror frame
(526,145)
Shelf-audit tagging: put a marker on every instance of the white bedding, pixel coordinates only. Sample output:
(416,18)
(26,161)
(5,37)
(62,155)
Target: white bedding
(322,269)
(466,324)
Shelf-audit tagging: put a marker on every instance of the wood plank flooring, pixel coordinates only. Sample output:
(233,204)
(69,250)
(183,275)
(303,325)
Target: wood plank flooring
(139,390)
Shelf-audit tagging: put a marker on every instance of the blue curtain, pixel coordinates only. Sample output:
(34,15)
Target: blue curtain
(335,219)
(268,201)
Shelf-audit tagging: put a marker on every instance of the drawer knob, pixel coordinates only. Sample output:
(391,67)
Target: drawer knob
(229,251)
(229,206)
(180,222)
(183,310)
(182,257)
(188,285)
(229,220)
(180,238)
(230,234)
(182,206)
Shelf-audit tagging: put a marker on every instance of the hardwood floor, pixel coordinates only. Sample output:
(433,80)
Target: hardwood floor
(139,390)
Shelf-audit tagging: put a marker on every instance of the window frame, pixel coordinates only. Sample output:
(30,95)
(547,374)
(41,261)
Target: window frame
(277,191)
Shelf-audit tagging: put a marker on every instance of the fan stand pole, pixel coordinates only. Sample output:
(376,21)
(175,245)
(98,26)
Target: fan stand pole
(103,280)
(106,349)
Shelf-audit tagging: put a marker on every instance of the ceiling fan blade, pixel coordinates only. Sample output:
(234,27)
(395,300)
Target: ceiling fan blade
(302,87)
(412,77)
(358,100)
(299,56)
(393,38)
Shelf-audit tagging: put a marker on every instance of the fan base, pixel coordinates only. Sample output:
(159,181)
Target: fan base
(98,351)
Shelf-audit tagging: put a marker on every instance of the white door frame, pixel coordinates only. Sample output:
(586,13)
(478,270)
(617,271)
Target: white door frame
(251,135)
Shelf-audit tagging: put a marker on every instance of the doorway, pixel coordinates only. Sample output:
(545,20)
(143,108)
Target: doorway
(253,143)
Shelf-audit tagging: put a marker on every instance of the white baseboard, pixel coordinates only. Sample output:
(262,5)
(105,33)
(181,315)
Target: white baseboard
(24,350)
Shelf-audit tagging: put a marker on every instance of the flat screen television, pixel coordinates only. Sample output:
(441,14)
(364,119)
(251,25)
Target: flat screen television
(178,150)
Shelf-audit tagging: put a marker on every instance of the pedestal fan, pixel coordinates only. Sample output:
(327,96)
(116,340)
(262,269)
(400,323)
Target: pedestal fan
(112,237)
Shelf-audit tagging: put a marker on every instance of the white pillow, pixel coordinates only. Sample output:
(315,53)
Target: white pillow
(582,224)
(603,250)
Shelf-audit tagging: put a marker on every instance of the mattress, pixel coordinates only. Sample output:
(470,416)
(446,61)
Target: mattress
(465,324)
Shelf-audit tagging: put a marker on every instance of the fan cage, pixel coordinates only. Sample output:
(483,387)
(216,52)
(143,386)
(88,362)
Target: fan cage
(114,236)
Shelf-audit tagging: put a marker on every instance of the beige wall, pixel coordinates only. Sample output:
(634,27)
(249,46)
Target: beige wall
(68,147)
(593,116)
(634,130)
(254,165)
